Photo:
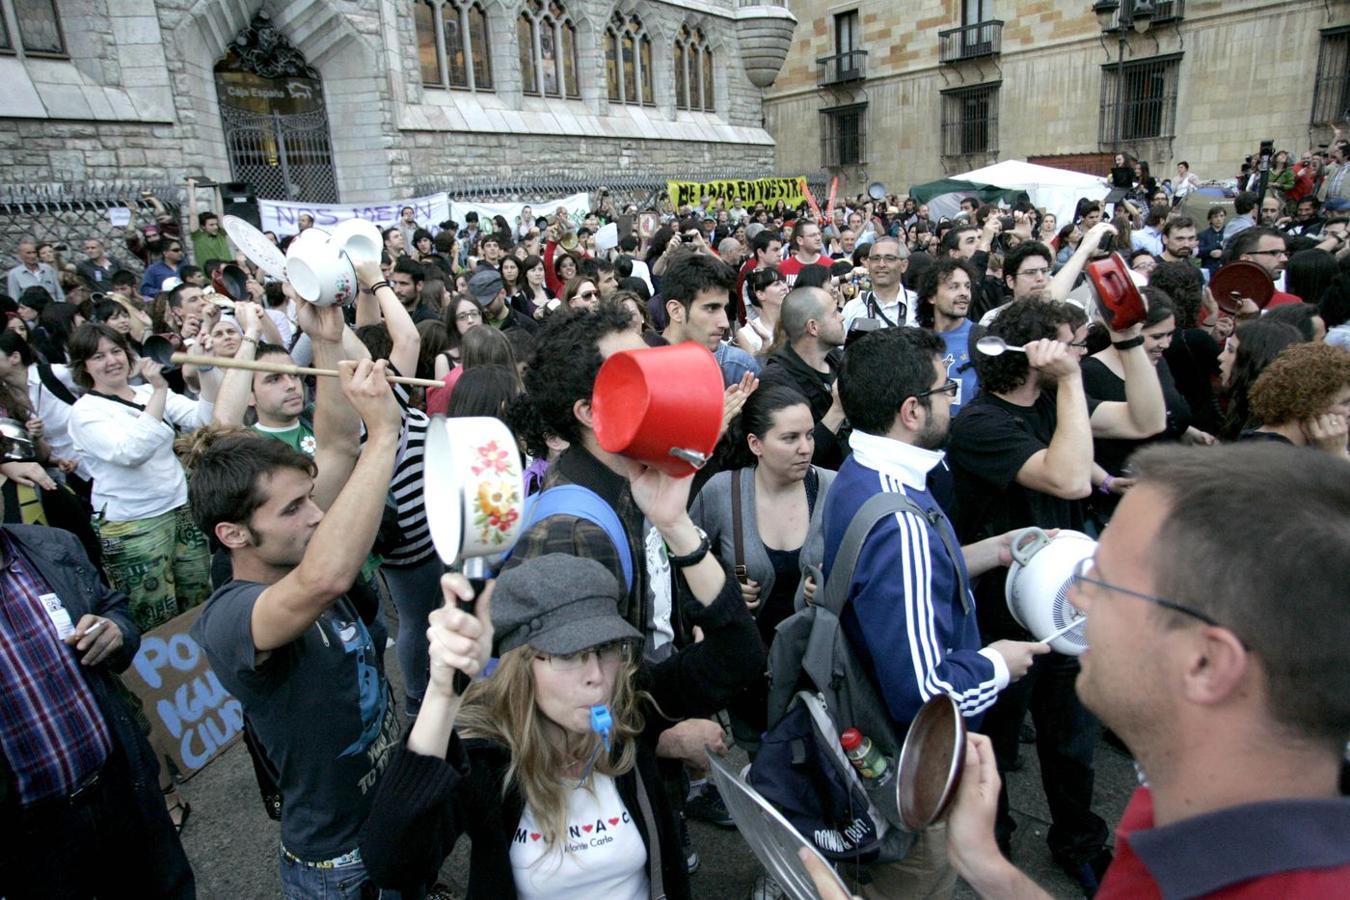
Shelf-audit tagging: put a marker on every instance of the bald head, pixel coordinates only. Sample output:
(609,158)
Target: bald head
(800,306)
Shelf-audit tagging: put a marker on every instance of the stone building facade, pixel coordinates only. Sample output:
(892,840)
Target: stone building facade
(344,97)
(903,93)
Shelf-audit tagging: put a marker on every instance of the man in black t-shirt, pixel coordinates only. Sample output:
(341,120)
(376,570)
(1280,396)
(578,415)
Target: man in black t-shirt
(1021,454)
(283,636)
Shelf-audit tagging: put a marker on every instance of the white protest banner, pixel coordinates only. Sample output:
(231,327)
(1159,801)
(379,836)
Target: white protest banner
(188,708)
(283,218)
(577,206)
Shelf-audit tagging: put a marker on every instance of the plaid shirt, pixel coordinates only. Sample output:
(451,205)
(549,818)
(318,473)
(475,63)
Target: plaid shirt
(575,536)
(51,730)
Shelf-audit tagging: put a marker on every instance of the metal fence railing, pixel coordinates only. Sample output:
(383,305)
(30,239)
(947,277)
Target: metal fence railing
(67,213)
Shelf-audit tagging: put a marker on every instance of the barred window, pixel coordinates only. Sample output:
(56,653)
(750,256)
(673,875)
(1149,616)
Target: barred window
(970,120)
(548,48)
(693,71)
(1331,92)
(1141,102)
(452,44)
(39,28)
(628,61)
(843,136)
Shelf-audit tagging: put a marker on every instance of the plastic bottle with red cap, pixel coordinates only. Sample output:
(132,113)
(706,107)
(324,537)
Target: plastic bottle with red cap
(870,762)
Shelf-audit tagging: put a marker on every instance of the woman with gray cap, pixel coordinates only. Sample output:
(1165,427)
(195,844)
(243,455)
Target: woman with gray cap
(549,764)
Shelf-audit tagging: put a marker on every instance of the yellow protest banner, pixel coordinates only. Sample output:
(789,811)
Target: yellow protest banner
(759,190)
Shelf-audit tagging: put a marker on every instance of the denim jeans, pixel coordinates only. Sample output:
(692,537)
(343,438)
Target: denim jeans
(347,882)
(1066,741)
(416,591)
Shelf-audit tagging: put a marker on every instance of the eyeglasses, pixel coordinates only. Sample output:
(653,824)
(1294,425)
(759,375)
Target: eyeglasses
(1275,253)
(888,260)
(468,316)
(1082,574)
(607,654)
(951,389)
(588,295)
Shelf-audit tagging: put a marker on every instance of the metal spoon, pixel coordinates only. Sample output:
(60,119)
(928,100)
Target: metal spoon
(993,345)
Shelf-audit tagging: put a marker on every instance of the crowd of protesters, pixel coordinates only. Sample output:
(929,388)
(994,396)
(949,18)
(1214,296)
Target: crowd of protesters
(291,509)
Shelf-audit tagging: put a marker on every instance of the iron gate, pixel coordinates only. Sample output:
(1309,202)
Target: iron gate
(283,157)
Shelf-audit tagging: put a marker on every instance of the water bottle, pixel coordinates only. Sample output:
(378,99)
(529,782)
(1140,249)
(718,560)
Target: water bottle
(870,762)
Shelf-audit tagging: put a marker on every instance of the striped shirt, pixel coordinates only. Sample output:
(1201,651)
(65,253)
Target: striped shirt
(405,489)
(52,733)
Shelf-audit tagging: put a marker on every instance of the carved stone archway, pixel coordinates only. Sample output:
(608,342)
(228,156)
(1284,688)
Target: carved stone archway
(353,84)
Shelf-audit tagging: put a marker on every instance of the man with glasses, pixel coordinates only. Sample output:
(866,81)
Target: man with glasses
(1026,273)
(1269,249)
(1021,454)
(1229,688)
(171,255)
(889,302)
(910,617)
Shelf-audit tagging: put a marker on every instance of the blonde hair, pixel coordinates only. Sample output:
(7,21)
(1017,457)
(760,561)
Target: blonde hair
(502,709)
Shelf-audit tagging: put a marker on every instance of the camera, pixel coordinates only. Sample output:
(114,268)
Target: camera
(1267,151)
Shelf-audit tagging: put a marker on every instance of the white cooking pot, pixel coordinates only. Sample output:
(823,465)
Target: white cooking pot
(360,240)
(319,271)
(474,487)
(1038,584)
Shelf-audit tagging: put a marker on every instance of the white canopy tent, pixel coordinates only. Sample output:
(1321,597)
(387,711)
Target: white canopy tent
(1054,190)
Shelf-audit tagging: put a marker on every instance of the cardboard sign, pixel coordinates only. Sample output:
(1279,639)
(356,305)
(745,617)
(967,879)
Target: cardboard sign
(188,709)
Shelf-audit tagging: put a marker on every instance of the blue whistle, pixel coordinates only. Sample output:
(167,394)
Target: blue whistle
(601,723)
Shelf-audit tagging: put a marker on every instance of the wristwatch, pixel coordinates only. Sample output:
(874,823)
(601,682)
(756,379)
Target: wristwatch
(694,557)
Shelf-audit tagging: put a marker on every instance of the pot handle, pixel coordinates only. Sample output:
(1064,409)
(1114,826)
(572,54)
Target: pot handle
(693,457)
(1022,551)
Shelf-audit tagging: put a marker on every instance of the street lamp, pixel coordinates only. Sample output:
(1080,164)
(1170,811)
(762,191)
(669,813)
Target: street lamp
(1121,16)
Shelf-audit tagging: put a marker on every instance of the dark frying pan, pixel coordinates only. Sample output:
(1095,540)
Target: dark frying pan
(160,349)
(930,763)
(231,281)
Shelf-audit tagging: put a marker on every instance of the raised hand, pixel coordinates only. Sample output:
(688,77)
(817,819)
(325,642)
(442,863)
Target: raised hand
(458,640)
(366,387)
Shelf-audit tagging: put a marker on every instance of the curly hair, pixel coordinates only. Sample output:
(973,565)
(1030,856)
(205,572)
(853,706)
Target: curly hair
(566,361)
(1183,283)
(1301,383)
(1029,319)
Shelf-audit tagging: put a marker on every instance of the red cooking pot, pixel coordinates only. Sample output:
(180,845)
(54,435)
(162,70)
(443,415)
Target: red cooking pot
(661,406)
(1118,298)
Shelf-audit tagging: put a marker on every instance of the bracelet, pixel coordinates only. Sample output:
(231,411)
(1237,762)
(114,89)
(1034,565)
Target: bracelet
(379,284)
(691,559)
(1137,341)
(1105,486)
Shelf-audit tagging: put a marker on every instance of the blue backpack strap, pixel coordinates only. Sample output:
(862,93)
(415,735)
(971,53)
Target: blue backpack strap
(584,503)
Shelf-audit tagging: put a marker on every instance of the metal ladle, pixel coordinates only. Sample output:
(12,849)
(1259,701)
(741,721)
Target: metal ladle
(993,345)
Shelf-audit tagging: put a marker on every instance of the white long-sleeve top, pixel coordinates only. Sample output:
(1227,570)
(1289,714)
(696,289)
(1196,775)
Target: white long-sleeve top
(130,453)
